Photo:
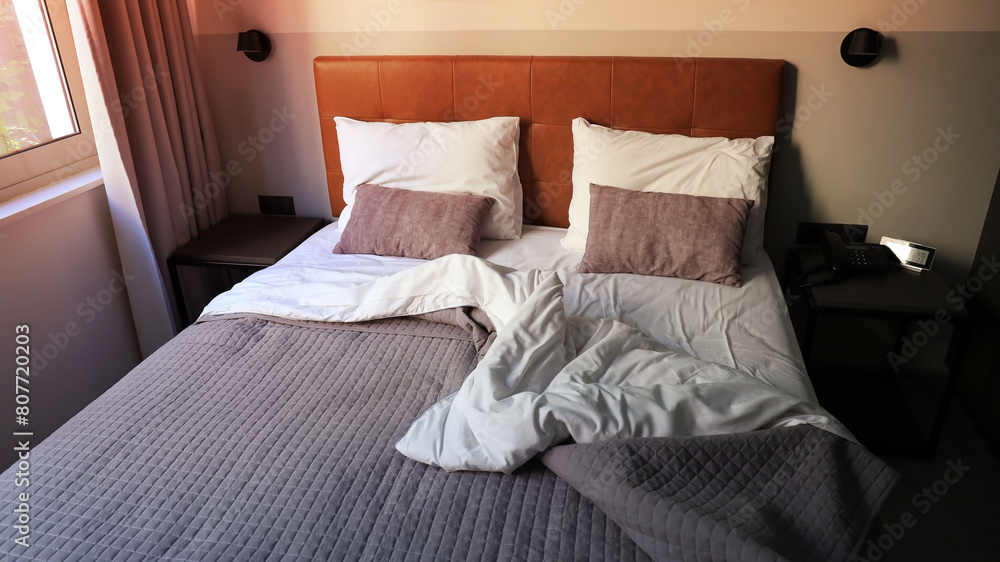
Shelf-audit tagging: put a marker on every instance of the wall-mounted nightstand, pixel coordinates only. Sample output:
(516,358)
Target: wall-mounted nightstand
(883,352)
(249,242)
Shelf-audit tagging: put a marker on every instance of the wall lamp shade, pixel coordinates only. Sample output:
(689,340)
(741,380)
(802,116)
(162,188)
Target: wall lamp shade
(861,47)
(254,44)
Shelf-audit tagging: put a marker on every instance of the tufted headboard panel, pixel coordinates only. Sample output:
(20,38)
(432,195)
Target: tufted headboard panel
(690,96)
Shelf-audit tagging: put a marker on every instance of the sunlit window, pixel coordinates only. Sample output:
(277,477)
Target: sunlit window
(35,106)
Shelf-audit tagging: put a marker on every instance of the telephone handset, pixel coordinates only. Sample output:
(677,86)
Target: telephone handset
(846,259)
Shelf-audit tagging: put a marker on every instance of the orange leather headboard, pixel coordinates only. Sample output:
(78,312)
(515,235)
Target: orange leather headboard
(698,97)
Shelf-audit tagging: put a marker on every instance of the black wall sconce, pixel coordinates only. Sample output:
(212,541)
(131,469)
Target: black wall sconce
(254,44)
(861,47)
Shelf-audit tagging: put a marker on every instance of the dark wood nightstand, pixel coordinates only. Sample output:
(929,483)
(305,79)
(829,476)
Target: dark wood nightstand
(244,241)
(911,330)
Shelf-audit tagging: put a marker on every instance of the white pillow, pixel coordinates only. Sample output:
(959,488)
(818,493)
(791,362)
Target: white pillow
(715,167)
(468,157)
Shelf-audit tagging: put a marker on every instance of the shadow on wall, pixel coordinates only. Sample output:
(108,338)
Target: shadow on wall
(979,385)
(788,202)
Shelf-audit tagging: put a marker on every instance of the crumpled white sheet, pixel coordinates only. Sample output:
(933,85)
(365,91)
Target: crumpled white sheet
(549,377)
(746,328)
(425,286)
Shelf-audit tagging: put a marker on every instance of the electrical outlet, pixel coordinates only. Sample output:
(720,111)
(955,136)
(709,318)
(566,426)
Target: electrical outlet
(812,232)
(276,204)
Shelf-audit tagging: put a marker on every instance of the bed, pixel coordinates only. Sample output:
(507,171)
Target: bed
(499,406)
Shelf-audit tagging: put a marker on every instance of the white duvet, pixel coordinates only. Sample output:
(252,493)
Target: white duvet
(587,357)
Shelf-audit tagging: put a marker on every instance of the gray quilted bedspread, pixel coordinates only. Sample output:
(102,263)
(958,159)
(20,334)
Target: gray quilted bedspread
(247,439)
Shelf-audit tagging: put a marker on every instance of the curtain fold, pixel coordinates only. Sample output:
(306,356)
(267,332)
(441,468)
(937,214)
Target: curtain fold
(170,133)
(160,118)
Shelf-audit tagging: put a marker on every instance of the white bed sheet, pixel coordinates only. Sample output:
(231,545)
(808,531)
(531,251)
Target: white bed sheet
(573,356)
(747,328)
(549,377)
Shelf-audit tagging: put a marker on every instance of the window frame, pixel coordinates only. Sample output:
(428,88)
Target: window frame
(38,166)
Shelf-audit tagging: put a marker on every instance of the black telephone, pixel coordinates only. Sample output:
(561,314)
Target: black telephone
(846,259)
(843,259)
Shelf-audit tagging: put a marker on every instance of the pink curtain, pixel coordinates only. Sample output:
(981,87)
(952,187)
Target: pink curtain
(144,50)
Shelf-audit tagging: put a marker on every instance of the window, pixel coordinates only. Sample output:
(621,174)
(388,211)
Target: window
(35,106)
(41,140)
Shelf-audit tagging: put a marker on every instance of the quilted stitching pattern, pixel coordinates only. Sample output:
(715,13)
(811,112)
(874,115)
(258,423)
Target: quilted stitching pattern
(786,494)
(252,440)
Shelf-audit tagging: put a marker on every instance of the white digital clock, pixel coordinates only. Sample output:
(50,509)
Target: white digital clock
(911,256)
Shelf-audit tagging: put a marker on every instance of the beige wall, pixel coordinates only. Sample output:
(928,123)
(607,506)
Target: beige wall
(856,133)
(62,277)
(317,16)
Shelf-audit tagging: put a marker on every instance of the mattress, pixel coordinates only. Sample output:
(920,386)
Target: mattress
(266,436)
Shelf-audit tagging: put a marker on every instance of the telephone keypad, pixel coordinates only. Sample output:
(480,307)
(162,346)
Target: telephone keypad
(864,257)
